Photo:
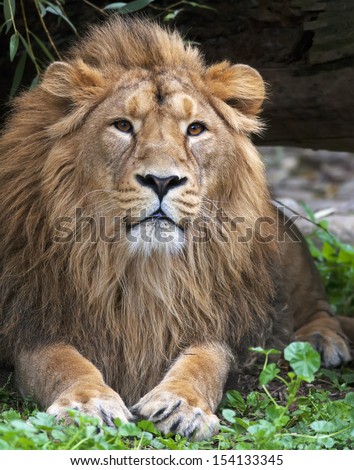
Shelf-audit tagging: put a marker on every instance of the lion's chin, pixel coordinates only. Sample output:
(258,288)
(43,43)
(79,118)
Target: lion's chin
(153,236)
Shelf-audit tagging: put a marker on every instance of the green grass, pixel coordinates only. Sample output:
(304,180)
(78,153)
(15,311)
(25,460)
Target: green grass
(287,410)
(290,402)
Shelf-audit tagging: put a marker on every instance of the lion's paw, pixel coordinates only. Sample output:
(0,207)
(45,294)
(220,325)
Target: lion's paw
(172,414)
(101,402)
(332,346)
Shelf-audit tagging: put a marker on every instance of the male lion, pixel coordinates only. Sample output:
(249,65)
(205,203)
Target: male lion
(139,249)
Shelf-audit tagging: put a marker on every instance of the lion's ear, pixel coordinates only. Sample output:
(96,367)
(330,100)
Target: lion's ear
(75,81)
(75,88)
(240,86)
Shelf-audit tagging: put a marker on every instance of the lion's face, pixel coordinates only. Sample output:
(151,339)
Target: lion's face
(158,145)
(160,151)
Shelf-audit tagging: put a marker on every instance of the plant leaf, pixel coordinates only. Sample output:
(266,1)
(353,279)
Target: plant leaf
(43,47)
(349,399)
(34,82)
(128,7)
(236,400)
(262,429)
(323,426)
(42,9)
(260,350)
(129,429)
(56,10)
(14,42)
(199,5)
(148,426)
(348,377)
(115,6)
(268,373)
(171,16)
(304,360)
(229,415)
(16,81)
(9,12)
(6,23)
(28,49)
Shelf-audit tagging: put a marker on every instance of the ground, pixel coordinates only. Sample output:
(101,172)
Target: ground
(321,179)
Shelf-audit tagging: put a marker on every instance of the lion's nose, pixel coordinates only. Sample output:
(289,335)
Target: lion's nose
(161,186)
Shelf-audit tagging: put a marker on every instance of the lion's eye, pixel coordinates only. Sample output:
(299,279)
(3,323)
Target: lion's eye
(124,126)
(196,128)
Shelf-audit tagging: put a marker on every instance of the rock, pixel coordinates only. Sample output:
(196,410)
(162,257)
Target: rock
(341,225)
(346,191)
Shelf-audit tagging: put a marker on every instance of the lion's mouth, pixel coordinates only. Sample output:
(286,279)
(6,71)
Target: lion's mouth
(157,217)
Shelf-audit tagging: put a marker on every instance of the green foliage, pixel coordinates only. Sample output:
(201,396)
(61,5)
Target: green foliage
(335,262)
(304,360)
(123,7)
(308,420)
(38,29)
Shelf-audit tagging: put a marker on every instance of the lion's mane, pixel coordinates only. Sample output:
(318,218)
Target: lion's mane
(129,315)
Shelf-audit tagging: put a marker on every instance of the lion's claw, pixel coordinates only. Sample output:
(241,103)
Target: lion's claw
(172,414)
(332,346)
(106,406)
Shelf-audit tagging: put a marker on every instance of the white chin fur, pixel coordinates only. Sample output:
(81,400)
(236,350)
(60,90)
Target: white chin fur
(152,236)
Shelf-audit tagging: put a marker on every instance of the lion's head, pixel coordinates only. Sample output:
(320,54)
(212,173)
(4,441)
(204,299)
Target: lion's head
(155,130)
(135,137)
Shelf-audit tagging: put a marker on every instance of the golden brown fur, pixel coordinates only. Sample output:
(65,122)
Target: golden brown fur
(131,310)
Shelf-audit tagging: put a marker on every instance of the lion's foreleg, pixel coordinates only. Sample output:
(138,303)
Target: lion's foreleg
(60,378)
(325,333)
(186,399)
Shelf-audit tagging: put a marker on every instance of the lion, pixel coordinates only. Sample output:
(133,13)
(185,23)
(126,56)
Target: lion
(141,255)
